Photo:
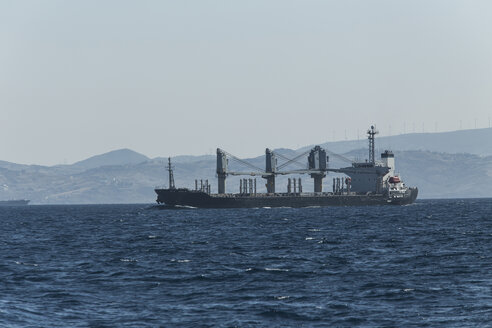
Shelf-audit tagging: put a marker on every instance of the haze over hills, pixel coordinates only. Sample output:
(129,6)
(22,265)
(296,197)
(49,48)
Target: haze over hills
(115,157)
(442,165)
(475,142)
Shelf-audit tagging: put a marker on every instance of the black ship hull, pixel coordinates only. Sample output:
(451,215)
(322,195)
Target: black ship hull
(185,197)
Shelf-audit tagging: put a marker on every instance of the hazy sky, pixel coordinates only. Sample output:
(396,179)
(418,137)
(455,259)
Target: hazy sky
(79,78)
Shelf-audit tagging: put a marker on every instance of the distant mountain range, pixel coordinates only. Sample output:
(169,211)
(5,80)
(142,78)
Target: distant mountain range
(443,165)
(475,142)
(115,157)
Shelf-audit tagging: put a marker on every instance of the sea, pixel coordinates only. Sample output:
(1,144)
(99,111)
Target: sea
(428,264)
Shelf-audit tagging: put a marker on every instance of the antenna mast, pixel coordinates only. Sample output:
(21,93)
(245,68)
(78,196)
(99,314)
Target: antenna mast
(171,174)
(370,135)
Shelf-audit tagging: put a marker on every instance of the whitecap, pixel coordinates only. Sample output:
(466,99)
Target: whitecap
(185,206)
(180,261)
(183,261)
(276,269)
(282,297)
(28,264)
(128,260)
(309,238)
(152,236)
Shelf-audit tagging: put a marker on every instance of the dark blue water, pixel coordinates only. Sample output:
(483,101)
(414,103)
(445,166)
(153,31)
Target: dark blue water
(423,265)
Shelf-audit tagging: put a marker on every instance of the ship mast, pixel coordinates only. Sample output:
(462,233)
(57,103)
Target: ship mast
(370,135)
(171,174)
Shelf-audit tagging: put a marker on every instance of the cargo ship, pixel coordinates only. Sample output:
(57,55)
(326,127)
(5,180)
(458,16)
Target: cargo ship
(363,183)
(15,202)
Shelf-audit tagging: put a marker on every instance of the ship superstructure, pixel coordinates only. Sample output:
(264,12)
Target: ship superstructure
(363,183)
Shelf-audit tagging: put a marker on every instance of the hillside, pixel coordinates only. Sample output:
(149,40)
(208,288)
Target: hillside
(436,163)
(438,175)
(115,157)
(475,142)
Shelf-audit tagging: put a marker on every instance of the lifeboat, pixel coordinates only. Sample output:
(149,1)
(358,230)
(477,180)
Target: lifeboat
(394,180)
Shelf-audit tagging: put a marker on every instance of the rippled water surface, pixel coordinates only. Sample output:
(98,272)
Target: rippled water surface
(423,265)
